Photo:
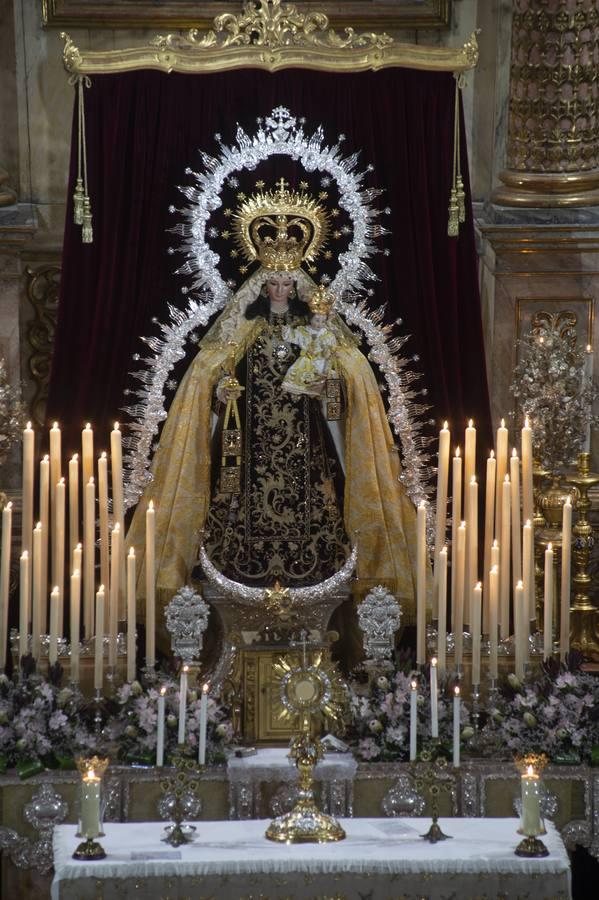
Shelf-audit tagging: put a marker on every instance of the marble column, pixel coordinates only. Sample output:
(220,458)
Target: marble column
(553,129)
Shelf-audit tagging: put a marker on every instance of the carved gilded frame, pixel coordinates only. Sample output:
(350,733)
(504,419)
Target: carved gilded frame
(185,14)
(270,35)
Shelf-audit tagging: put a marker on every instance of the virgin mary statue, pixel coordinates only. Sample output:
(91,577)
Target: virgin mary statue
(279,484)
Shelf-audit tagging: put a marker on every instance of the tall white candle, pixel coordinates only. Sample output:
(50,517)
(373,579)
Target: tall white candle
(442,622)
(103,515)
(441,508)
(489,532)
(528,510)
(87,453)
(55,454)
(495,556)
(413,719)
(434,700)
(89,556)
(458,600)
(476,628)
(115,570)
(456,727)
(528,567)
(73,504)
(75,624)
(182,704)
(131,615)
(469,474)
(520,635)
(5,580)
(24,603)
(502,463)
(493,621)
(28,484)
(78,558)
(531,804)
(469,452)
(150,585)
(160,728)
(564,639)
(548,604)
(421,585)
(116,470)
(504,550)
(516,526)
(38,591)
(99,640)
(54,611)
(472,551)
(203,725)
(456,518)
(59,547)
(45,537)
(90,805)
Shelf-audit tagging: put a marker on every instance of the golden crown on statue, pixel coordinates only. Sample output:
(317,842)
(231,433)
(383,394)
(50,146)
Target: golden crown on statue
(281,228)
(321,300)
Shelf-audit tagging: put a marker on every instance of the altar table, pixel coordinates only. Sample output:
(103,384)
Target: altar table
(382,859)
(249,776)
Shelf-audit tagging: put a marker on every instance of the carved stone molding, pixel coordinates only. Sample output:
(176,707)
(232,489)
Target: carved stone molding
(270,35)
(553,129)
(42,288)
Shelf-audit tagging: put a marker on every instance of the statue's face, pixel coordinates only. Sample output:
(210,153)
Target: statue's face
(279,287)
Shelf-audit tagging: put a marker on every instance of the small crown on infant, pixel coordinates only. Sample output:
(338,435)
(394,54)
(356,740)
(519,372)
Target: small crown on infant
(321,300)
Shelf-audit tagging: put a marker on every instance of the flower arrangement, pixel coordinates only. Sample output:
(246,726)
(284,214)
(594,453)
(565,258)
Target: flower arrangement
(41,725)
(552,387)
(379,726)
(558,715)
(133,726)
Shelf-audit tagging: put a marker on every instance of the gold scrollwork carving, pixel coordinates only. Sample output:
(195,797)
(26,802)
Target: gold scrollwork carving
(562,323)
(42,290)
(270,35)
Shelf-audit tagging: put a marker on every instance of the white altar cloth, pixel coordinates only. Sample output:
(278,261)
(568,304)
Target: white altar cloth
(382,858)
(335,774)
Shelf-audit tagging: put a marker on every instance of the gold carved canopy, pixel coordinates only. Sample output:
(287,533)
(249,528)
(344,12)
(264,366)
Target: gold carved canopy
(271,35)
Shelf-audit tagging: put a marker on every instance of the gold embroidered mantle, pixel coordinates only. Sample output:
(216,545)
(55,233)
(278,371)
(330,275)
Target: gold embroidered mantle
(375,503)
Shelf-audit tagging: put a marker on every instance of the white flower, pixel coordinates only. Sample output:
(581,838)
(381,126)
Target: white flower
(136,689)
(221,730)
(382,682)
(529,719)
(375,726)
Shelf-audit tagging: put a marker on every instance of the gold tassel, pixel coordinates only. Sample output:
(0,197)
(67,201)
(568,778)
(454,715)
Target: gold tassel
(460,198)
(453,223)
(87,233)
(78,202)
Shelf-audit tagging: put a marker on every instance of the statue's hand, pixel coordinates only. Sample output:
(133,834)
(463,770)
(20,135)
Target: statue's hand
(228,388)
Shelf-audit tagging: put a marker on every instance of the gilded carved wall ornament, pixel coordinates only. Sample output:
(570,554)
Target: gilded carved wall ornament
(42,288)
(270,35)
(272,24)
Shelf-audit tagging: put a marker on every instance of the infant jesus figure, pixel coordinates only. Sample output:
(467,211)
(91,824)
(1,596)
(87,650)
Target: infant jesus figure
(309,373)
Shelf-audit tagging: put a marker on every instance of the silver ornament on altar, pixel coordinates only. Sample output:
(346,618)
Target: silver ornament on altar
(379,617)
(187,619)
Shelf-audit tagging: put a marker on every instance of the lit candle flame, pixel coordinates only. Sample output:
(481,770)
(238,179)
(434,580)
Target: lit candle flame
(456,690)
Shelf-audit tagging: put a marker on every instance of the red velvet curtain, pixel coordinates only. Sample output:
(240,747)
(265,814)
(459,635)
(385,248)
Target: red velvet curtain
(145,128)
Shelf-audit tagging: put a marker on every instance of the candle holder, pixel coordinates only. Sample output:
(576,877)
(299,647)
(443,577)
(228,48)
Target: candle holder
(428,778)
(584,616)
(91,808)
(181,790)
(531,822)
